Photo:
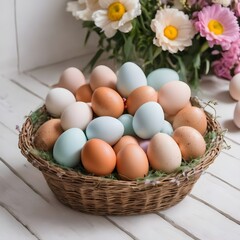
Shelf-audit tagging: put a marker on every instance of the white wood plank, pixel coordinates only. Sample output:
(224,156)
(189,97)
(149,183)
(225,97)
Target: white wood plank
(202,221)
(149,226)
(227,168)
(49,221)
(11,229)
(15,103)
(213,88)
(18,163)
(234,150)
(30,84)
(219,195)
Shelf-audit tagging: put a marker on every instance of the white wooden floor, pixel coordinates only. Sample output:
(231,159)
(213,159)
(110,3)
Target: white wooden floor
(29,210)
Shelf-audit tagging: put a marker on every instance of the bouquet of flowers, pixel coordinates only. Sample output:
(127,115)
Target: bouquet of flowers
(191,37)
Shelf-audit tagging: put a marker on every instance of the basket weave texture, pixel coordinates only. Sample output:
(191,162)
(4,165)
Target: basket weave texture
(104,196)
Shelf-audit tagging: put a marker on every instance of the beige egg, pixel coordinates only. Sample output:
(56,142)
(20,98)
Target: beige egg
(174,96)
(107,102)
(84,93)
(190,142)
(139,96)
(102,76)
(71,78)
(191,116)
(164,153)
(234,87)
(132,162)
(76,115)
(47,134)
(236,115)
(123,141)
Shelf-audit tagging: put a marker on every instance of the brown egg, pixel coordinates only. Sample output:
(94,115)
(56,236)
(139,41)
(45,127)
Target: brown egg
(174,96)
(71,79)
(140,96)
(84,93)
(132,162)
(47,134)
(190,142)
(191,116)
(98,157)
(164,153)
(107,102)
(102,76)
(123,141)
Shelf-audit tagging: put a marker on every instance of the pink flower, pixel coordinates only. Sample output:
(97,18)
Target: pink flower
(218,25)
(229,62)
(221,70)
(237,9)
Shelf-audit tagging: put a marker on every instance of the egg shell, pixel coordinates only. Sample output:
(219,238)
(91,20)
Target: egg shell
(47,134)
(236,115)
(159,77)
(102,76)
(57,100)
(174,96)
(107,102)
(143,143)
(98,157)
(71,78)
(167,128)
(139,96)
(148,120)
(190,142)
(163,153)
(76,115)
(123,141)
(109,129)
(132,162)
(191,116)
(84,93)
(127,119)
(130,76)
(67,148)
(234,87)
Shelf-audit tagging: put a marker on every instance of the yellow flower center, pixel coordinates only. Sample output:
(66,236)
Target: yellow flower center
(116,11)
(215,27)
(170,32)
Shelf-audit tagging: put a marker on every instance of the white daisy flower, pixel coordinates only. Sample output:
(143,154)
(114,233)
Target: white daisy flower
(174,31)
(116,15)
(224,3)
(83,9)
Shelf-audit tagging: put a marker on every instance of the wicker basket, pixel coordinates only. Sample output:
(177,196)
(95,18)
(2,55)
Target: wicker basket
(103,196)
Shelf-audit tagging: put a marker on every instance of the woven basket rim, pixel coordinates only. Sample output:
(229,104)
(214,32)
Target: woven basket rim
(54,170)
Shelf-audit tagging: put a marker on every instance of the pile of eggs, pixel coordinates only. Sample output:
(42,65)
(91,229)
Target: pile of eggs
(125,122)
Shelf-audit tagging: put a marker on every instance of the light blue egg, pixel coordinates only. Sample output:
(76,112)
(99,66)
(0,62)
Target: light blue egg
(167,128)
(126,120)
(130,76)
(67,148)
(160,76)
(148,120)
(107,128)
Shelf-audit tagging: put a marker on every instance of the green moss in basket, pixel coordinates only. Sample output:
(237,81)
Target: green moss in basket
(38,117)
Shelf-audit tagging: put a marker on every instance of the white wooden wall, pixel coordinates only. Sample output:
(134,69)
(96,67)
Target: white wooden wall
(35,33)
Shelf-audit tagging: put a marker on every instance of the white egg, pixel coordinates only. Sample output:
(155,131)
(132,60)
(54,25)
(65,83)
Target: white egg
(57,100)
